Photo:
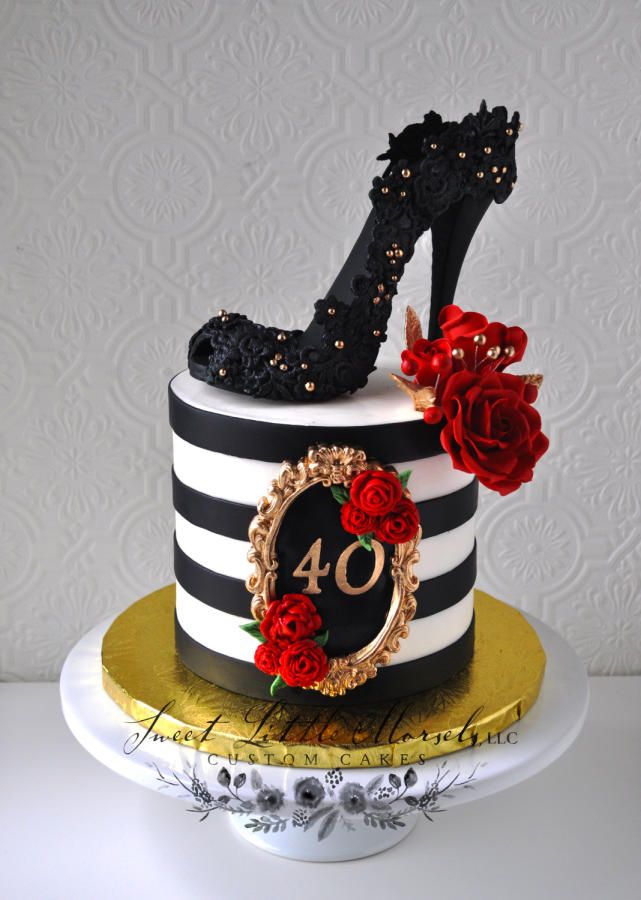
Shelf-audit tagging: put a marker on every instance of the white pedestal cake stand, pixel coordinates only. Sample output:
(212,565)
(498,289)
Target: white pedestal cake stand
(320,814)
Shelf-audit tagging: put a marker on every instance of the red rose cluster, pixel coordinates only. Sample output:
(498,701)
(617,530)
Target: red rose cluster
(469,343)
(491,428)
(376,507)
(288,648)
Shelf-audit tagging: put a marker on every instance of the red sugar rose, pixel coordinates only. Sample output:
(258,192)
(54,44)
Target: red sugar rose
(491,429)
(289,619)
(354,520)
(400,525)
(267,658)
(426,360)
(460,328)
(376,492)
(455,323)
(303,663)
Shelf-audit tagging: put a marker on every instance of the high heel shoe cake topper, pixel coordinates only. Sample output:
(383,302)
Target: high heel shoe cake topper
(441,176)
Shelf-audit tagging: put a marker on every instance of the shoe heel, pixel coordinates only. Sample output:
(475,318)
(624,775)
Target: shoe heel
(452,233)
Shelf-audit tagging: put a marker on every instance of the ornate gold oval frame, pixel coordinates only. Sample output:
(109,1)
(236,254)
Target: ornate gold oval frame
(331,465)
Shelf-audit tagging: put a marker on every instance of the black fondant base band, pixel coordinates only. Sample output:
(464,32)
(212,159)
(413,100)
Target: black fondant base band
(232,519)
(272,442)
(390,683)
(231,596)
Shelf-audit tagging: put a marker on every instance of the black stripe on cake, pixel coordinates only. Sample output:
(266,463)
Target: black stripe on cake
(231,596)
(232,520)
(391,682)
(275,442)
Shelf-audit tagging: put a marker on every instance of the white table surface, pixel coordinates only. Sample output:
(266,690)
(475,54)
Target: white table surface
(70,828)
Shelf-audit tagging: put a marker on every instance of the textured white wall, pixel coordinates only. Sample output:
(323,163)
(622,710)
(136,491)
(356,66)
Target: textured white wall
(161,158)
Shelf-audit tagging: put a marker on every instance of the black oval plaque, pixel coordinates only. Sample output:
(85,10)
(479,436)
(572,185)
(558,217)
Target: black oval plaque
(353,620)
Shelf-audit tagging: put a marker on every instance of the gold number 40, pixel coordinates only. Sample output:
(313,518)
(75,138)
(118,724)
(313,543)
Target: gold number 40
(313,572)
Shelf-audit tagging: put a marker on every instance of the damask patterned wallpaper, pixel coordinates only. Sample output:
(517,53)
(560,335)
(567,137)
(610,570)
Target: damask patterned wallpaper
(162,158)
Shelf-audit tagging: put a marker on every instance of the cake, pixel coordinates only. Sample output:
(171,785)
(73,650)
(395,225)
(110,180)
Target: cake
(324,546)
(228,449)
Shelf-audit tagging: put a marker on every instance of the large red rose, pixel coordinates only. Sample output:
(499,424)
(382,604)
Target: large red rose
(354,520)
(400,525)
(491,430)
(292,618)
(303,664)
(267,658)
(460,328)
(376,492)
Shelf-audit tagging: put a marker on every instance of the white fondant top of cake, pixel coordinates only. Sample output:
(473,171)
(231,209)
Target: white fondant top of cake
(378,403)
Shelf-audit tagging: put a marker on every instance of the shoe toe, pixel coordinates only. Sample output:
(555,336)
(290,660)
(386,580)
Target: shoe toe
(232,352)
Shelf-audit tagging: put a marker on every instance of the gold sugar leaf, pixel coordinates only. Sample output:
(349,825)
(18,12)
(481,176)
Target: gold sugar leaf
(413,330)
(422,397)
(535,379)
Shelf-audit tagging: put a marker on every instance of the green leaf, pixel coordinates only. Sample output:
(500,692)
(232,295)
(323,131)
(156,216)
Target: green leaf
(276,685)
(321,639)
(404,477)
(365,540)
(253,628)
(340,493)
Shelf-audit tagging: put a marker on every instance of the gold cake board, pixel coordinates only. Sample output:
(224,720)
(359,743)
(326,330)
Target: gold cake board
(142,673)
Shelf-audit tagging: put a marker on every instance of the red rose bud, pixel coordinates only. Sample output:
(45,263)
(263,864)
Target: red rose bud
(492,430)
(530,393)
(408,365)
(514,337)
(497,334)
(441,362)
(303,663)
(267,658)
(400,525)
(355,520)
(376,492)
(432,415)
(290,619)
(474,336)
(457,324)
(432,358)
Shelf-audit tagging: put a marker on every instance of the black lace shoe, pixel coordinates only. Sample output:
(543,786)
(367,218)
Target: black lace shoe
(440,175)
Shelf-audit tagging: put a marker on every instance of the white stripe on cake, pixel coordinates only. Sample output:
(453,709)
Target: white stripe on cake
(227,556)
(247,480)
(220,631)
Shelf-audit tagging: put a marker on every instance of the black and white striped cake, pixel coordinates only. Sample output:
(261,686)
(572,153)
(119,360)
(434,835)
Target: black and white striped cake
(227,450)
